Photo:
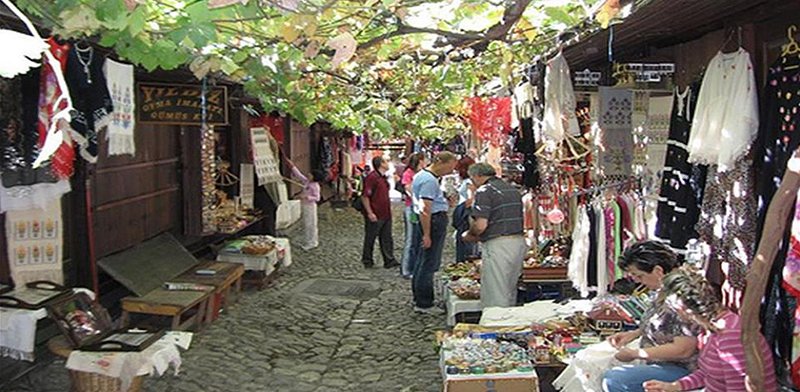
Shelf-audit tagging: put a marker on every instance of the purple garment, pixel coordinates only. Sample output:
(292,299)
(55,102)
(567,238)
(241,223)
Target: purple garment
(311,191)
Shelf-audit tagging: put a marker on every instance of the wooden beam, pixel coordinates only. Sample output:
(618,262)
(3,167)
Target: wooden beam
(778,214)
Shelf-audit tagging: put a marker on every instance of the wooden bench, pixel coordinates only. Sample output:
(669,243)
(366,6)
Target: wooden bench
(186,308)
(227,282)
(145,268)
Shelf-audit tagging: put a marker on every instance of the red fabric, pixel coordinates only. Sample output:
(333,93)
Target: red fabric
(490,117)
(376,189)
(62,162)
(273,123)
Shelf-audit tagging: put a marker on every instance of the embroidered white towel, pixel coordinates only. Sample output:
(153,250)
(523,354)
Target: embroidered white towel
(120,136)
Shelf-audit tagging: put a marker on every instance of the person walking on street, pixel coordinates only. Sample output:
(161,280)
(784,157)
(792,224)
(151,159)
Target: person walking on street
(497,224)
(410,248)
(377,215)
(431,206)
(308,202)
(466,196)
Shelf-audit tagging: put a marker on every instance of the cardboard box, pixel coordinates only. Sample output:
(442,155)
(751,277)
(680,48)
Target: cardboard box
(501,382)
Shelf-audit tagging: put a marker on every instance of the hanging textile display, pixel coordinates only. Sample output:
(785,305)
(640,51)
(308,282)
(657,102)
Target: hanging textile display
(579,254)
(726,118)
(23,188)
(525,111)
(208,174)
(559,102)
(34,242)
(616,156)
(490,118)
(264,159)
(777,135)
(791,282)
(120,137)
(639,113)
(728,224)
(93,105)
(62,162)
(11,125)
(682,184)
(725,123)
(657,132)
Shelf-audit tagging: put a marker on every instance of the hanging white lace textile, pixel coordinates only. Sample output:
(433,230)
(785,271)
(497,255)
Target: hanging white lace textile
(726,117)
(119,79)
(559,103)
(579,256)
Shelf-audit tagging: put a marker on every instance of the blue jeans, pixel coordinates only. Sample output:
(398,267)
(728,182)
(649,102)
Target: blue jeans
(429,260)
(461,223)
(411,247)
(629,378)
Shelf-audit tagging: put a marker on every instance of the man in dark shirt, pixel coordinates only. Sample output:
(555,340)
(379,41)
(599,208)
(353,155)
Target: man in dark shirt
(377,215)
(497,223)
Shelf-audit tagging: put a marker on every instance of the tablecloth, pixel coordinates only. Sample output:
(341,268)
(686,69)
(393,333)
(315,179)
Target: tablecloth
(155,359)
(18,330)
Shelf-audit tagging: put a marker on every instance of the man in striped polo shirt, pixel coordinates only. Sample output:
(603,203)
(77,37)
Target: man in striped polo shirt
(497,224)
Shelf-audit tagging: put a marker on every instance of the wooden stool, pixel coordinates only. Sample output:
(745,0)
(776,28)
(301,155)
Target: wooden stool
(89,382)
(170,303)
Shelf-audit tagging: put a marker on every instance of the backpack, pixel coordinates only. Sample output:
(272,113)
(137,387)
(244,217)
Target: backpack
(356,201)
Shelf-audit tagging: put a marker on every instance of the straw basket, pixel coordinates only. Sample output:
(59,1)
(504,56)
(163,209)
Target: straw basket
(90,382)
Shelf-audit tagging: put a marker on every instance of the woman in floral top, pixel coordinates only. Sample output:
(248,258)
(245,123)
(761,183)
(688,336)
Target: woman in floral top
(668,343)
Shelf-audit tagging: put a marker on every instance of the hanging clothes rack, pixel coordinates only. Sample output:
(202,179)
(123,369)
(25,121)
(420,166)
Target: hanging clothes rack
(598,188)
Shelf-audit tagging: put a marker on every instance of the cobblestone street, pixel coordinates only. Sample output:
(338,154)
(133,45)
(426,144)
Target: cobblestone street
(281,340)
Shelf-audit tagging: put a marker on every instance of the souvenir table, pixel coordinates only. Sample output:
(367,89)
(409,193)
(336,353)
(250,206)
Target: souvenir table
(472,359)
(456,305)
(18,330)
(120,371)
(461,289)
(261,255)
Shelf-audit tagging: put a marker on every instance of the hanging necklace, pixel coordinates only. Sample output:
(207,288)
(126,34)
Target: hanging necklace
(87,62)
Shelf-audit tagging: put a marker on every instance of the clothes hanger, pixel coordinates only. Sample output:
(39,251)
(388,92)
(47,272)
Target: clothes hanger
(791,48)
(730,38)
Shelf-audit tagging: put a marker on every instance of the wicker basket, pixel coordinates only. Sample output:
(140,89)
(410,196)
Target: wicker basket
(90,382)
(93,382)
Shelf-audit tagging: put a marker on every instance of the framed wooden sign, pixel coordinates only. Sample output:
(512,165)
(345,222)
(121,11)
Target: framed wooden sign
(159,103)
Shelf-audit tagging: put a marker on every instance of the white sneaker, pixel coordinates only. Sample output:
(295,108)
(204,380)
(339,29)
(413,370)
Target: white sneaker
(433,310)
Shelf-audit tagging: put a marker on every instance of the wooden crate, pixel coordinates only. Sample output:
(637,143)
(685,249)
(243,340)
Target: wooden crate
(540,273)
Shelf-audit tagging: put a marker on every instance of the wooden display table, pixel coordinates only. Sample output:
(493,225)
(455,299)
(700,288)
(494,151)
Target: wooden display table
(227,282)
(186,308)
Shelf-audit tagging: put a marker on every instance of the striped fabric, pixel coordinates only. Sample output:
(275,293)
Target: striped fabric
(721,366)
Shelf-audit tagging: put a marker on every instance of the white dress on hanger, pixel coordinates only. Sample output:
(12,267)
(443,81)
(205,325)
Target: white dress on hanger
(579,256)
(559,102)
(726,118)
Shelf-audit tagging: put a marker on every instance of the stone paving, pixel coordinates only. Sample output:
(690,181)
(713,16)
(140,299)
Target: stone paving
(280,340)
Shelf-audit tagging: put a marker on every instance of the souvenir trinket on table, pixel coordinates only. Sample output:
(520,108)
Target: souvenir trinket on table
(608,318)
(481,356)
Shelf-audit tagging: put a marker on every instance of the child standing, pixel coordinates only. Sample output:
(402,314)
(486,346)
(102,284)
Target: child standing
(309,197)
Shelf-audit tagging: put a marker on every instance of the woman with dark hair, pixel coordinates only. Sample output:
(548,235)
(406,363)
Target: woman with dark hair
(466,196)
(721,366)
(668,343)
(416,162)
